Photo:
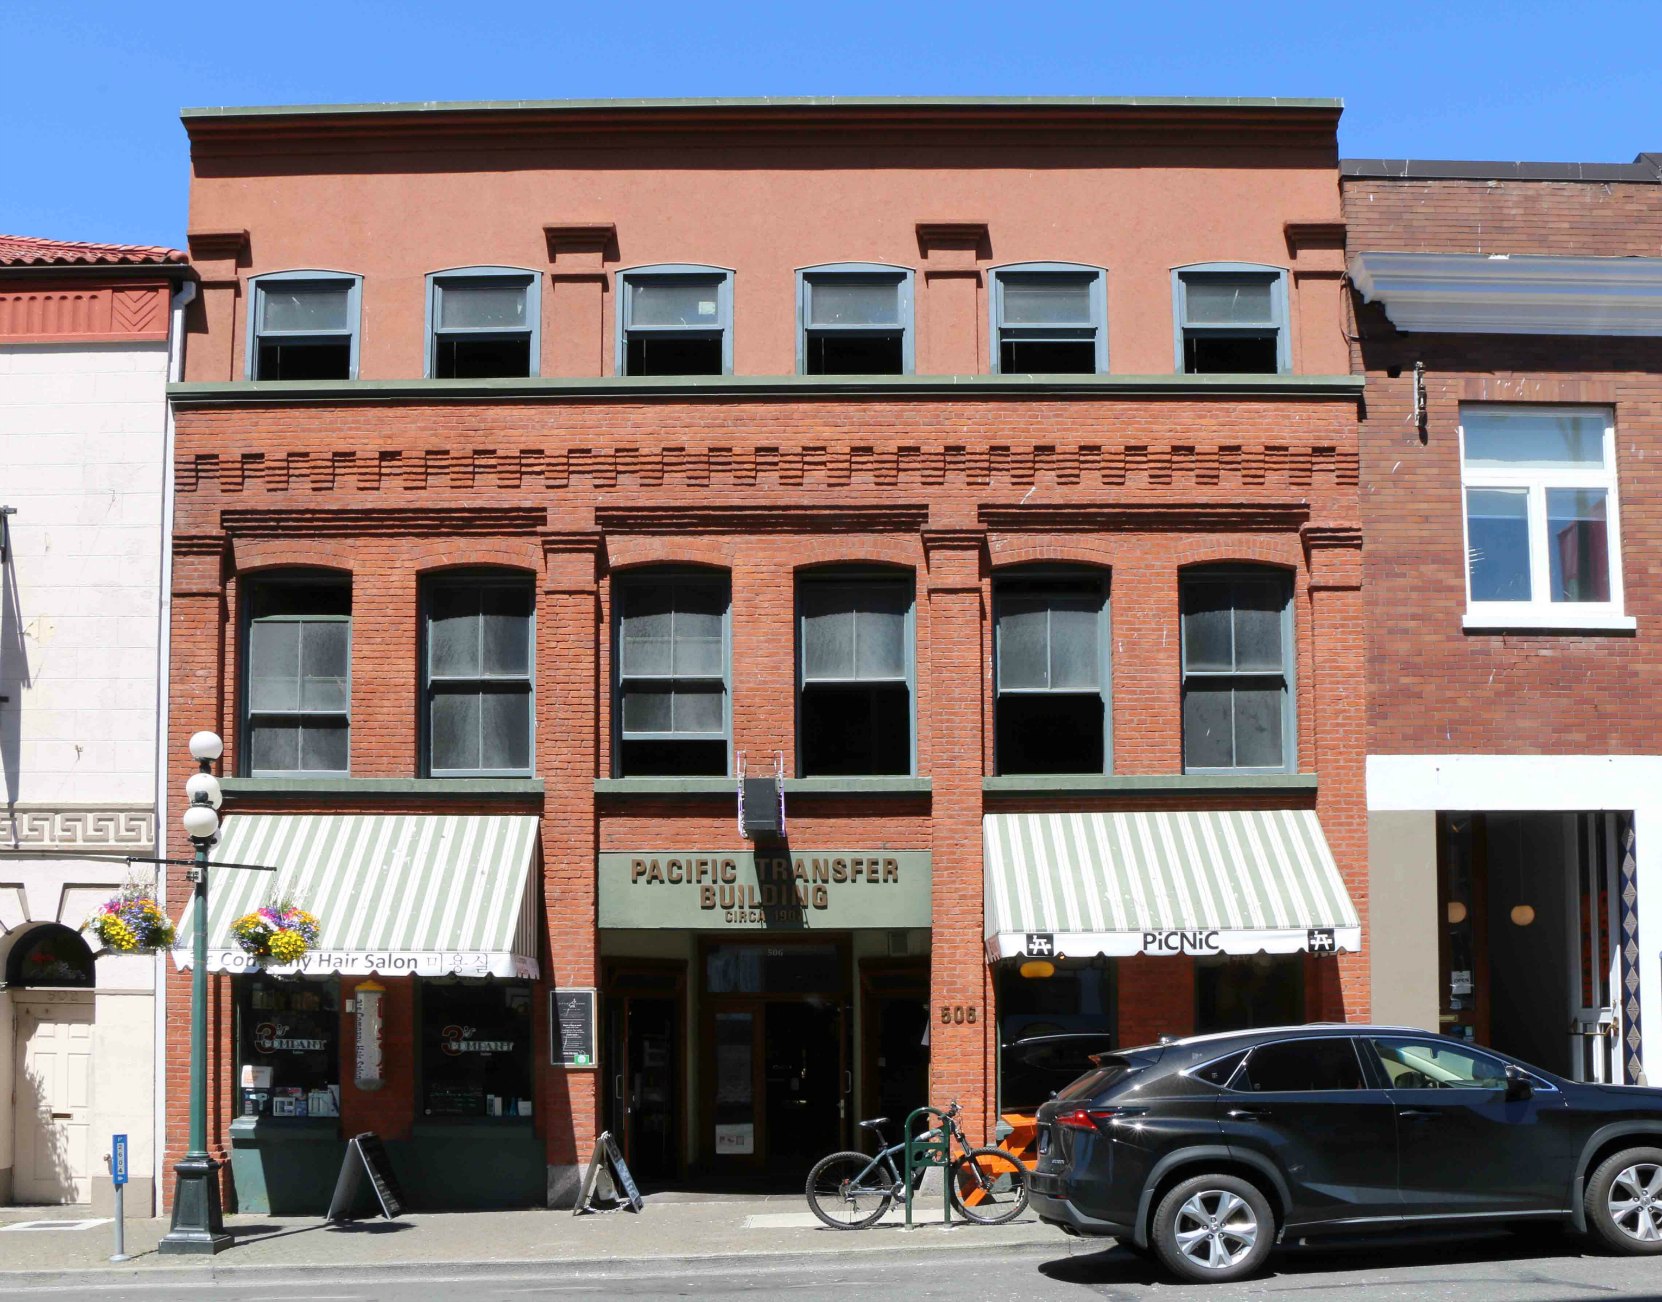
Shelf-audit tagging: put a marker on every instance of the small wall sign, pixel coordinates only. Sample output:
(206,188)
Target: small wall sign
(571,1027)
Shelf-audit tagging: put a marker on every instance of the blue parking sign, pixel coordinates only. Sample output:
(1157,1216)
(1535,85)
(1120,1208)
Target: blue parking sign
(118,1159)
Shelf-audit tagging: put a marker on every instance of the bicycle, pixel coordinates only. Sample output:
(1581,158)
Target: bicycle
(849,1191)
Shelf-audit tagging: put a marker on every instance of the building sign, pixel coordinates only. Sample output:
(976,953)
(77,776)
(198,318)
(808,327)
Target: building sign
(735,1140)
(456,1040)
(814,890)
(274,1037)
(571,1038)
(364,963)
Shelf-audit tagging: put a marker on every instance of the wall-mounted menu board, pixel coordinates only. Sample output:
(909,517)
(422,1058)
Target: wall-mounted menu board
(571,1028)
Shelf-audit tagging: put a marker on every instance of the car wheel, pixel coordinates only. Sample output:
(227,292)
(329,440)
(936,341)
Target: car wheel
(1624,1201)
(1213,1228)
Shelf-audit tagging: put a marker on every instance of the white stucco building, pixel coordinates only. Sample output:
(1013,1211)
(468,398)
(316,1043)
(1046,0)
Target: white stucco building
(89,335)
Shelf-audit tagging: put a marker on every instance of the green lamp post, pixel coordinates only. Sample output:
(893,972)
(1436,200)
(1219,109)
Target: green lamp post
(198,1219)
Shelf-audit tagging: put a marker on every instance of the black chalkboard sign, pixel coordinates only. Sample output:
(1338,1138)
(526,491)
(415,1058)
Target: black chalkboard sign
(366,1158)
(606,1151)
(571,1041)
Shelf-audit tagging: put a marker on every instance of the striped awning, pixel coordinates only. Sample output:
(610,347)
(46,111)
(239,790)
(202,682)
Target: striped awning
(395,894)
(1210,882)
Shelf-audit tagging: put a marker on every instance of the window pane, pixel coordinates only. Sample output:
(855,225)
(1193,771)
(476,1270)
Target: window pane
(1521,440)
(827,641)
(1207,730)
(1258,625)
(481,307)
(880,635)
(1258,743)
(1429,1064)
(323,664)
(699,608)
(505,721)
(1230,354)
(453,633)
(455,739)
(1075,645)
(698,710)
(507,631)
(284,598)
(274,665)
(1302,1065)
(1023,644)
(1578,544)
(850,301)
(1213,299)
(1497,528)
(323,747)
(305,308)
(648,624)
(274,748)
(1040,298)
(647,709)
(675,301)
(1207,619)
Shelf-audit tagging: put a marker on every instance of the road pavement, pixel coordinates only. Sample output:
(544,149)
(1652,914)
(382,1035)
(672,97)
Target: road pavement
(1493,1268)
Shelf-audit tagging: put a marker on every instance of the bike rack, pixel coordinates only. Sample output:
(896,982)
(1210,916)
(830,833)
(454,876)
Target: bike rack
(929,1152)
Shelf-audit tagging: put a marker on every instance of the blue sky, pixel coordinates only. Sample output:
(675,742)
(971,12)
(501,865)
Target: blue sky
(90,89)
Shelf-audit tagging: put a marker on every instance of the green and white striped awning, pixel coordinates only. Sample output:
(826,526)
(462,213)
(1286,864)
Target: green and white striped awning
(395,894)
(1205,882)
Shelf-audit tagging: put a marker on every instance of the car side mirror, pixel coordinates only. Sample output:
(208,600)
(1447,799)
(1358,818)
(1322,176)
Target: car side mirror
(1517,1085)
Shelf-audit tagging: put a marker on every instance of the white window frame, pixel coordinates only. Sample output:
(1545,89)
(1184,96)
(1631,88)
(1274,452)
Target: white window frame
(1541,612)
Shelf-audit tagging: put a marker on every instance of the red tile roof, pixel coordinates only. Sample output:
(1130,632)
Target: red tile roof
(25,251)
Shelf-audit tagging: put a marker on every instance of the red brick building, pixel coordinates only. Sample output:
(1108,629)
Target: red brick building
(981,476)
(1507,317)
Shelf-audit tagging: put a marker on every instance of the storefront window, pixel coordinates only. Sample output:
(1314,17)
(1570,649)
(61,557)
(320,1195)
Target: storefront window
(1048,1027)
(476,1049)
(773,969)
(1239,992)
(288,1046)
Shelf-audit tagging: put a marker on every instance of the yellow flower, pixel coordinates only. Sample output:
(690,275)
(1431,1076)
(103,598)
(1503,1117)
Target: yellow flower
(287,946)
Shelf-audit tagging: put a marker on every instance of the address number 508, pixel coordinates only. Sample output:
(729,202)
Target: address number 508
(957,1014)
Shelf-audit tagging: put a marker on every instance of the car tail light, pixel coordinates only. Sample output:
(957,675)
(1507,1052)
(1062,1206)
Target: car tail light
(1092,1118)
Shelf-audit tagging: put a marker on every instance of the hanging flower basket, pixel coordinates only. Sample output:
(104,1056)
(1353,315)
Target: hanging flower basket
(280,932)
(131,922)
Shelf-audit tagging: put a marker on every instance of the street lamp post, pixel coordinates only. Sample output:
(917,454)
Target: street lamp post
(198,1219)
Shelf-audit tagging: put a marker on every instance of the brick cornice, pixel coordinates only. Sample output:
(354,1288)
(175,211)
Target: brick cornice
(199,544)
(1335,556)
(1302,235)
(383,521)
(1177,517)
(586,244)
(751,519)
(958,244)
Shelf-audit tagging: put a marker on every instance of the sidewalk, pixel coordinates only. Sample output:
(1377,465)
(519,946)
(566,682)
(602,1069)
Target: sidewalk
(673,1227)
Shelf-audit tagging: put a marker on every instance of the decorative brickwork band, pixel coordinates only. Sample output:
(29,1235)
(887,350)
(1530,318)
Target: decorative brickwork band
(1633,1040)
(359,522)
(77,827)
(900,518)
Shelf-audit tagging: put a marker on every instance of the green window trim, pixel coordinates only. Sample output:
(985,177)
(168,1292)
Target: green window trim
(1279,319)
(433,331)
(625,587)
(482,683)
(1285,674)
(258,331)
(1034,583)
(863,273)
(253,717)
(665,273)
(1093,327)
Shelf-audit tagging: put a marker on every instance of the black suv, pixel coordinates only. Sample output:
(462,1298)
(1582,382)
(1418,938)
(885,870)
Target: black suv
(1207,1150)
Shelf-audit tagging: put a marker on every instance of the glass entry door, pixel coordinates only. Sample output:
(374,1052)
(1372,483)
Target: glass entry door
(645,1011)
(1596,969)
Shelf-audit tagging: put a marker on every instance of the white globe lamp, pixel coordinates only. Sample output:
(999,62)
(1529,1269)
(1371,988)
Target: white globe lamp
(206,746)
(200,821)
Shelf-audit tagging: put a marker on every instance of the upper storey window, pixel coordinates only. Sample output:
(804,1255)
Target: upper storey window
(1542,545)
(675,320)
(1237,670)
(1050,318)
(854,711)
(854,319)
(303,325)
(1231,319)
(298,651)
(1051,643)
(478,660)
(482,323)
(671,710)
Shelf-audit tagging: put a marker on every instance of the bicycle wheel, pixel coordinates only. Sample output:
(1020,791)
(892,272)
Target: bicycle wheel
(989,1185)
(848,1192)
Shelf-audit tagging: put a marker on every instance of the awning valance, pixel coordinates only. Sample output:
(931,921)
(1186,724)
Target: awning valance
(1193,882)
(396,894)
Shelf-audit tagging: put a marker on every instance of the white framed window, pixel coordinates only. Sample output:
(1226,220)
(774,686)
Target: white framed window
(854,318)
(1049,318)
(303,325)
(1542,521)
(1231,319)
(482,323)
(675,320)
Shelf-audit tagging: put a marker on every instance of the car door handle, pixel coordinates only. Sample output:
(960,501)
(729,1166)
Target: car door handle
(1418,1114)
(1246,1114)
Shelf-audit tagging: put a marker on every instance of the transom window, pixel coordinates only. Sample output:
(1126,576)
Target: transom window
(303,325)
(672,714)
(1051,652)
(854,712)
(675,320)
(1231,319)
(1237,670)
(478,661)
(298,695)
(482,323)
(1050,318)
(854,319)
(1541,514)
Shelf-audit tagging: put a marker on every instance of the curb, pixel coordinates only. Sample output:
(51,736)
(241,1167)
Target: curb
(514,1268)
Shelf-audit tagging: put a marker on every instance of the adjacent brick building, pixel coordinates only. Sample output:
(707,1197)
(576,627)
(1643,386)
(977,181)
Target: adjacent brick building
(553,466)
(1507,318)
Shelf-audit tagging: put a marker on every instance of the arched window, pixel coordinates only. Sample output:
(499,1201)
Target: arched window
(675,320)
(1049,318)
(50,955)
(1231,318)
(479,657)
(854,318)
(297,673)
(303,325)
(483,323)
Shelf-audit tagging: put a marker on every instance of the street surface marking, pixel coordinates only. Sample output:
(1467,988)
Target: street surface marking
(57,1225)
